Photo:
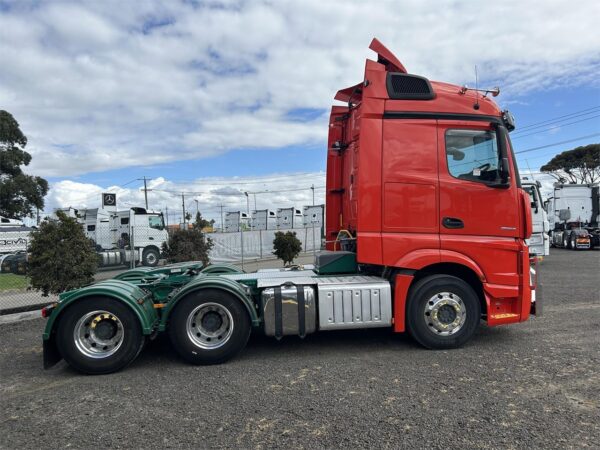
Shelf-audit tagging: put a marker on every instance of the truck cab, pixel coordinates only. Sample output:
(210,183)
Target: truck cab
(422,181)
(574,214)
(114,232)
(539,242)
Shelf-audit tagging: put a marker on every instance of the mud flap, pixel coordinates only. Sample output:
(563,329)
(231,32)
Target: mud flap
(51,354)
(537,305)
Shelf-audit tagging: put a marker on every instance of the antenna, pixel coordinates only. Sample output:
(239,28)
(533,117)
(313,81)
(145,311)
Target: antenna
(464,88)
(530,172)
(476,105)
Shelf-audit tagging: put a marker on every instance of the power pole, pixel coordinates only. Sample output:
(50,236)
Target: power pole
(145,190)
(167,215)
(313,192)
(183,209)
(222,221)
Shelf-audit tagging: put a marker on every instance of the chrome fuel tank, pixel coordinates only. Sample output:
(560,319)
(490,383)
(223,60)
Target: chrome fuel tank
(289,309)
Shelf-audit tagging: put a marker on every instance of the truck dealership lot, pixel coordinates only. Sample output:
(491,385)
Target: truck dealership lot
(533,384)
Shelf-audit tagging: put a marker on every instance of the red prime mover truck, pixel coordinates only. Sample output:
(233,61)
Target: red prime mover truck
(426,226)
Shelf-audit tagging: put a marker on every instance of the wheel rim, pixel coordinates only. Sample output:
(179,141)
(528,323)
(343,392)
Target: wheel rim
(445,313)
(210,326)
(98,334)
(150,258)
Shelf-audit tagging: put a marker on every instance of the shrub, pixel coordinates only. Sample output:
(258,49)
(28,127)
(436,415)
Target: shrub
(61,256)
(287,246)
(187,245)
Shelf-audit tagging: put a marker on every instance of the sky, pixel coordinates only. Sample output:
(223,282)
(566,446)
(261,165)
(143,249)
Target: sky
(219,98)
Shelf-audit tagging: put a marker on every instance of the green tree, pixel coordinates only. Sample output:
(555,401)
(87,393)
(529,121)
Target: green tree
(200,222)
(20,194)
(287,246)
(187,245)
(579,165)
(61,256)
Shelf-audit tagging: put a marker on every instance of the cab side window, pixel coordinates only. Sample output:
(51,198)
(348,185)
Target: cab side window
(472,155)
(155,222)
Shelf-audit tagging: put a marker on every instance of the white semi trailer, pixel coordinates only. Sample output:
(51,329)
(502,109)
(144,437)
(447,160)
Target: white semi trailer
(264,219)
(288,218)
(236,221)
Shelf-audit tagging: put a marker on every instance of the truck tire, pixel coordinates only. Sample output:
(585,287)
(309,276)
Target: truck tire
(99,335)
(442,312)
(150,257)
(566,242)
(210,326)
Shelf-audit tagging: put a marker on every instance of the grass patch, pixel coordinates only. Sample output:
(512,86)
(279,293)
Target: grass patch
(12,281)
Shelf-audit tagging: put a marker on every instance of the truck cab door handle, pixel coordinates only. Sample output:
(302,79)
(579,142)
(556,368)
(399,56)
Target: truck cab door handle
(452,222)
(151,238)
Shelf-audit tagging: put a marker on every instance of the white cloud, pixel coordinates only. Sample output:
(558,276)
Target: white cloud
(105,85)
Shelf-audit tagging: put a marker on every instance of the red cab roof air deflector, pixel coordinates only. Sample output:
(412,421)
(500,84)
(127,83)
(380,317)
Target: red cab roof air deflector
(352,92)
(384,56)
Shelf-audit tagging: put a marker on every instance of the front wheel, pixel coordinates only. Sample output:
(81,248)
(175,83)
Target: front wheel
(442,312)
(99,335)
(209,327)
(150,257)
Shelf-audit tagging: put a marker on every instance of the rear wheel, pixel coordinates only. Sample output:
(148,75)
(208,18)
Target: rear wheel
(209,327)
(442,312)
(99,335)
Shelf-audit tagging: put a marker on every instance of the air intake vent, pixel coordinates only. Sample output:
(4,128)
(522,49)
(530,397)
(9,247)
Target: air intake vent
(403,86)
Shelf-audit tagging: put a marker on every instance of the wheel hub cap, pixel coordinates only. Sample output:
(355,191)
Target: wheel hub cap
(98,334)
(210,326)
(445,313)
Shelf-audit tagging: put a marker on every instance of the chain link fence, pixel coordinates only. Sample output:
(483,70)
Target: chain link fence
(126,241)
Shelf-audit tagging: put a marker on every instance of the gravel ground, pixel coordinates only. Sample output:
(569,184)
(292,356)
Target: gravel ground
(531,385)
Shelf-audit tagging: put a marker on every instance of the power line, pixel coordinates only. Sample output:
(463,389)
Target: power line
(557,143)
(555,126)
(565,117)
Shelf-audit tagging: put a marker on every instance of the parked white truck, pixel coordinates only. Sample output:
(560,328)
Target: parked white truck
(574,213)
(123,235)
(120,237)
(539,242)
(14,239)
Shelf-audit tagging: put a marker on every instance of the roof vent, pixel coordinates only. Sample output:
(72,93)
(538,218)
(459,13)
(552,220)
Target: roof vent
(404,86)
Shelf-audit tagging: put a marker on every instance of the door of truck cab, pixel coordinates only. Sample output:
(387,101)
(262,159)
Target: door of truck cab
(477,219)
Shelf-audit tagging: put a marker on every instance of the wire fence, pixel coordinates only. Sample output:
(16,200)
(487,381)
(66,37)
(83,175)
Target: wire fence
(128,240)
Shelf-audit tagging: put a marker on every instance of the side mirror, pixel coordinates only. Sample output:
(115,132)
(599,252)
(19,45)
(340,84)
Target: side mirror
(534,205)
